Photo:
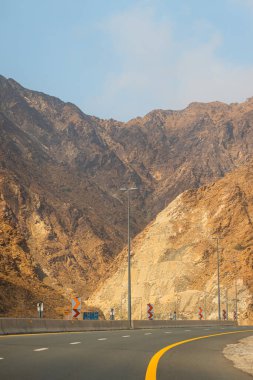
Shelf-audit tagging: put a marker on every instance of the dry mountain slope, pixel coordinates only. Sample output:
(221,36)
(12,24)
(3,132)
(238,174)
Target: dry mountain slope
(174,263)
(61,172)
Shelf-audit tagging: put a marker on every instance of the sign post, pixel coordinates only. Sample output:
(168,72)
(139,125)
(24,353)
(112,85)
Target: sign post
(40,309)
(112,314)
(76,307)
(91,315)
(200,313)
(150,311)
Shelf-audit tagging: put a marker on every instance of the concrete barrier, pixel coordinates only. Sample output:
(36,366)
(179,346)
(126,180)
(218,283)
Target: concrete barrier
(35,325)
(153,324)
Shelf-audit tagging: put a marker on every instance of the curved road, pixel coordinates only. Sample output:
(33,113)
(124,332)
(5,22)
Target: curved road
(124,355)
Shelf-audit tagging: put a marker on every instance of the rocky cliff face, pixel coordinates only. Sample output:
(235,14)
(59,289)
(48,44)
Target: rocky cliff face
(61,172)
(174,261)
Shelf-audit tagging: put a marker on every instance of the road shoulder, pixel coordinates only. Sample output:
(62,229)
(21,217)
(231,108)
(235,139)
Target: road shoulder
(241,354)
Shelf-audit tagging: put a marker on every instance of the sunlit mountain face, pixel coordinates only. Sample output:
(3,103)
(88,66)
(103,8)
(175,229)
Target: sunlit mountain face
(63,218)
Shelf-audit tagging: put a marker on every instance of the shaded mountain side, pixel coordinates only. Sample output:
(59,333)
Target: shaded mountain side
(22,282)
(174,262)
(61,172)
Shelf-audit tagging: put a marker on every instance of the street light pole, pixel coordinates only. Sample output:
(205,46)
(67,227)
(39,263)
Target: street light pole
(227,304)
(218,275)
(236,300)
(129,252)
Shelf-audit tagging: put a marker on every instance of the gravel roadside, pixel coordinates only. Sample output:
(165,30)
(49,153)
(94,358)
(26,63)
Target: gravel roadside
(241,354)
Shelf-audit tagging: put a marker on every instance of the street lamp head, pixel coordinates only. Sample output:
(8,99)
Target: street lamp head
(128,188)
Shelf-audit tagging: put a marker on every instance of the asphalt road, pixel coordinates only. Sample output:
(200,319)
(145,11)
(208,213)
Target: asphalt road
(119,355)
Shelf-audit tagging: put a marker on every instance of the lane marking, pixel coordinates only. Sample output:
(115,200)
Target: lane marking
(167,332)
(75,343)
(148,334)
(187,330)
(1,358)
(41,349)
(126,336)
(102,339)
(152,367)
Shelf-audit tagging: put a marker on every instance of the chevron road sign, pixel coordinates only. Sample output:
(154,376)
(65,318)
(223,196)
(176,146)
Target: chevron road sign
(200,313)
(150,311)
(76,307)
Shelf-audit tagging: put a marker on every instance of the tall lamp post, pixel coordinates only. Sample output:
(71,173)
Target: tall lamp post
(218,275)
(129,252)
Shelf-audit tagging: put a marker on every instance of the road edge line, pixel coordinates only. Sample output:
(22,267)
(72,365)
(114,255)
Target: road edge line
(153,363)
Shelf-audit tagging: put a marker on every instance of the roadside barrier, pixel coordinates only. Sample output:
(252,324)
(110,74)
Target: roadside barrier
(36,325)
(146,324)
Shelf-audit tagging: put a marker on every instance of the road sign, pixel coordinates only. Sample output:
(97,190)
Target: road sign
(200,313)
(91,315)
(40,308)
(76,307)
(112,314)
(75,313)
(150,311)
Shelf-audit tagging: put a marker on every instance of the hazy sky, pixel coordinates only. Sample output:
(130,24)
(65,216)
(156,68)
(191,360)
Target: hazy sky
(122,58)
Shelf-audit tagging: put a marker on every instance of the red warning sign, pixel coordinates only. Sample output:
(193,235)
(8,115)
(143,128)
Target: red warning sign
(200,313)
(150,311)
(76,307)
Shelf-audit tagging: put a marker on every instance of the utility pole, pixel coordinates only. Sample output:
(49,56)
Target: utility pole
(234,261)
(227,303)
(205,314)
(218,275)
(236,299)
(129,252)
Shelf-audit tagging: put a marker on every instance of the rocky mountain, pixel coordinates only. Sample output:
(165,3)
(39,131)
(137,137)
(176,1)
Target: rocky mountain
(174,260)
(64,218)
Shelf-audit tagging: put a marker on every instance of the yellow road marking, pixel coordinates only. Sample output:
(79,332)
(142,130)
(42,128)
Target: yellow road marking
(152,367)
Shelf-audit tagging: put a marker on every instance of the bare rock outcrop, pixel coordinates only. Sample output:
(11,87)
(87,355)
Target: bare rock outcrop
(174,259)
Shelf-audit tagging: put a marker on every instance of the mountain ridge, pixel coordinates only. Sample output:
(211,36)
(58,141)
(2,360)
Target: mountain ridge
(71,166)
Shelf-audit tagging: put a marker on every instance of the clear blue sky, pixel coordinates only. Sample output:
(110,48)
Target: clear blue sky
(122,58)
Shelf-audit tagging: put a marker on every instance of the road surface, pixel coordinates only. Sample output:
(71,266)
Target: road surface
(121,355)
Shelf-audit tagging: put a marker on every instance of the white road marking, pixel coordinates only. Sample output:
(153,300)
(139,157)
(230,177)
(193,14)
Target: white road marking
(75,343)
(167,332)
(41,349)
(125,336)
(207,329)
(187,330)
(102,339)
(1,358)
(148,334)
